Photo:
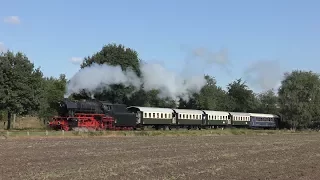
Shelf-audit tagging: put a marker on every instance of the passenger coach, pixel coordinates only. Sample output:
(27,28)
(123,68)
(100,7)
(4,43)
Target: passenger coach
(151,116)
(189,118)
(239,119)
(217,119)
(266,121)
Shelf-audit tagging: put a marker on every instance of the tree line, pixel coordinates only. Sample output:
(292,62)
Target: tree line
(24,90)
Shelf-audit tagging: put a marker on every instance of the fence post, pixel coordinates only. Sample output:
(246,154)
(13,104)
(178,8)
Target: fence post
(8,133)
(28,133)
(46,132)
(63,132)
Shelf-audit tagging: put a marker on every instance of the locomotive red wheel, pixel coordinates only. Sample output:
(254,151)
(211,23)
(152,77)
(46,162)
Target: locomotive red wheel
(66,128)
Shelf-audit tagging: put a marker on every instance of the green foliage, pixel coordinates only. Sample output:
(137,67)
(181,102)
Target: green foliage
(267,103)
(242,98)
(20,84)
(53,91)
(113,54)
(299,99)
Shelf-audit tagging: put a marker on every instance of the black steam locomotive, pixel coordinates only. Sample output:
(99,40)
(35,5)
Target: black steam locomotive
(92,114)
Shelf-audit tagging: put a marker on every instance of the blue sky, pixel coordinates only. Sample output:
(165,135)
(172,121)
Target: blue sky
(50,33)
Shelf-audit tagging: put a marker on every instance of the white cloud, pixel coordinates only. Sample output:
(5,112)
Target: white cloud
(2,47)
(12,20)
(76,60)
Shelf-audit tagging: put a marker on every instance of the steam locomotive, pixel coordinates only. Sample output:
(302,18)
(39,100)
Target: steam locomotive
(93,114)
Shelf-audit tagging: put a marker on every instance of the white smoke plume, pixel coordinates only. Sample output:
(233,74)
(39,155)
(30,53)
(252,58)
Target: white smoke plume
(201,59)
(154,76)
(169,83)
(98,76)
(264,75)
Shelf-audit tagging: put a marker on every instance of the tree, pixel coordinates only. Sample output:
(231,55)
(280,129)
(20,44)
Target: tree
(299,98)
(241,97)
(212,97)
(53,91)
(20,85)
(113,54)
(267,103)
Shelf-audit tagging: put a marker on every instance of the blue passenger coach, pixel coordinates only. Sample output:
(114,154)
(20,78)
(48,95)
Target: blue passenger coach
(266,121)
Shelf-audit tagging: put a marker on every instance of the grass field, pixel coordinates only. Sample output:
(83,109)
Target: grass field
(215,132)
(276,155)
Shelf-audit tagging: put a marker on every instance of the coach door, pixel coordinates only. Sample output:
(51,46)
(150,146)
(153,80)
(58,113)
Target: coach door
(174,120)
(229,119)
(204,119)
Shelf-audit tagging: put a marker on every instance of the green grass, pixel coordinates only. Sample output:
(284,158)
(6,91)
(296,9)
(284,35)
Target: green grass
(213,132)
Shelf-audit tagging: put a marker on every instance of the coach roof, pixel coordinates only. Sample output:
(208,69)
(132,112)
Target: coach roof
(220,113)
(239,114)
(264,115)
(152,109)
(188,111)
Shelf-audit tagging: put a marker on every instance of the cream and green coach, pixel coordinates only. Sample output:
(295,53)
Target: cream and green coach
(151,116)
(217,118)
(239,119)
(189,118)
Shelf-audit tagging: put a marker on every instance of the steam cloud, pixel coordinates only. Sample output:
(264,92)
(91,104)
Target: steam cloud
(264,74)
(154,76)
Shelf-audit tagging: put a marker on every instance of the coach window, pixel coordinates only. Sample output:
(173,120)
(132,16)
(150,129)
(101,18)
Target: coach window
(145,115)
(154,115)
(161,115)
(149,115)
(165,116)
